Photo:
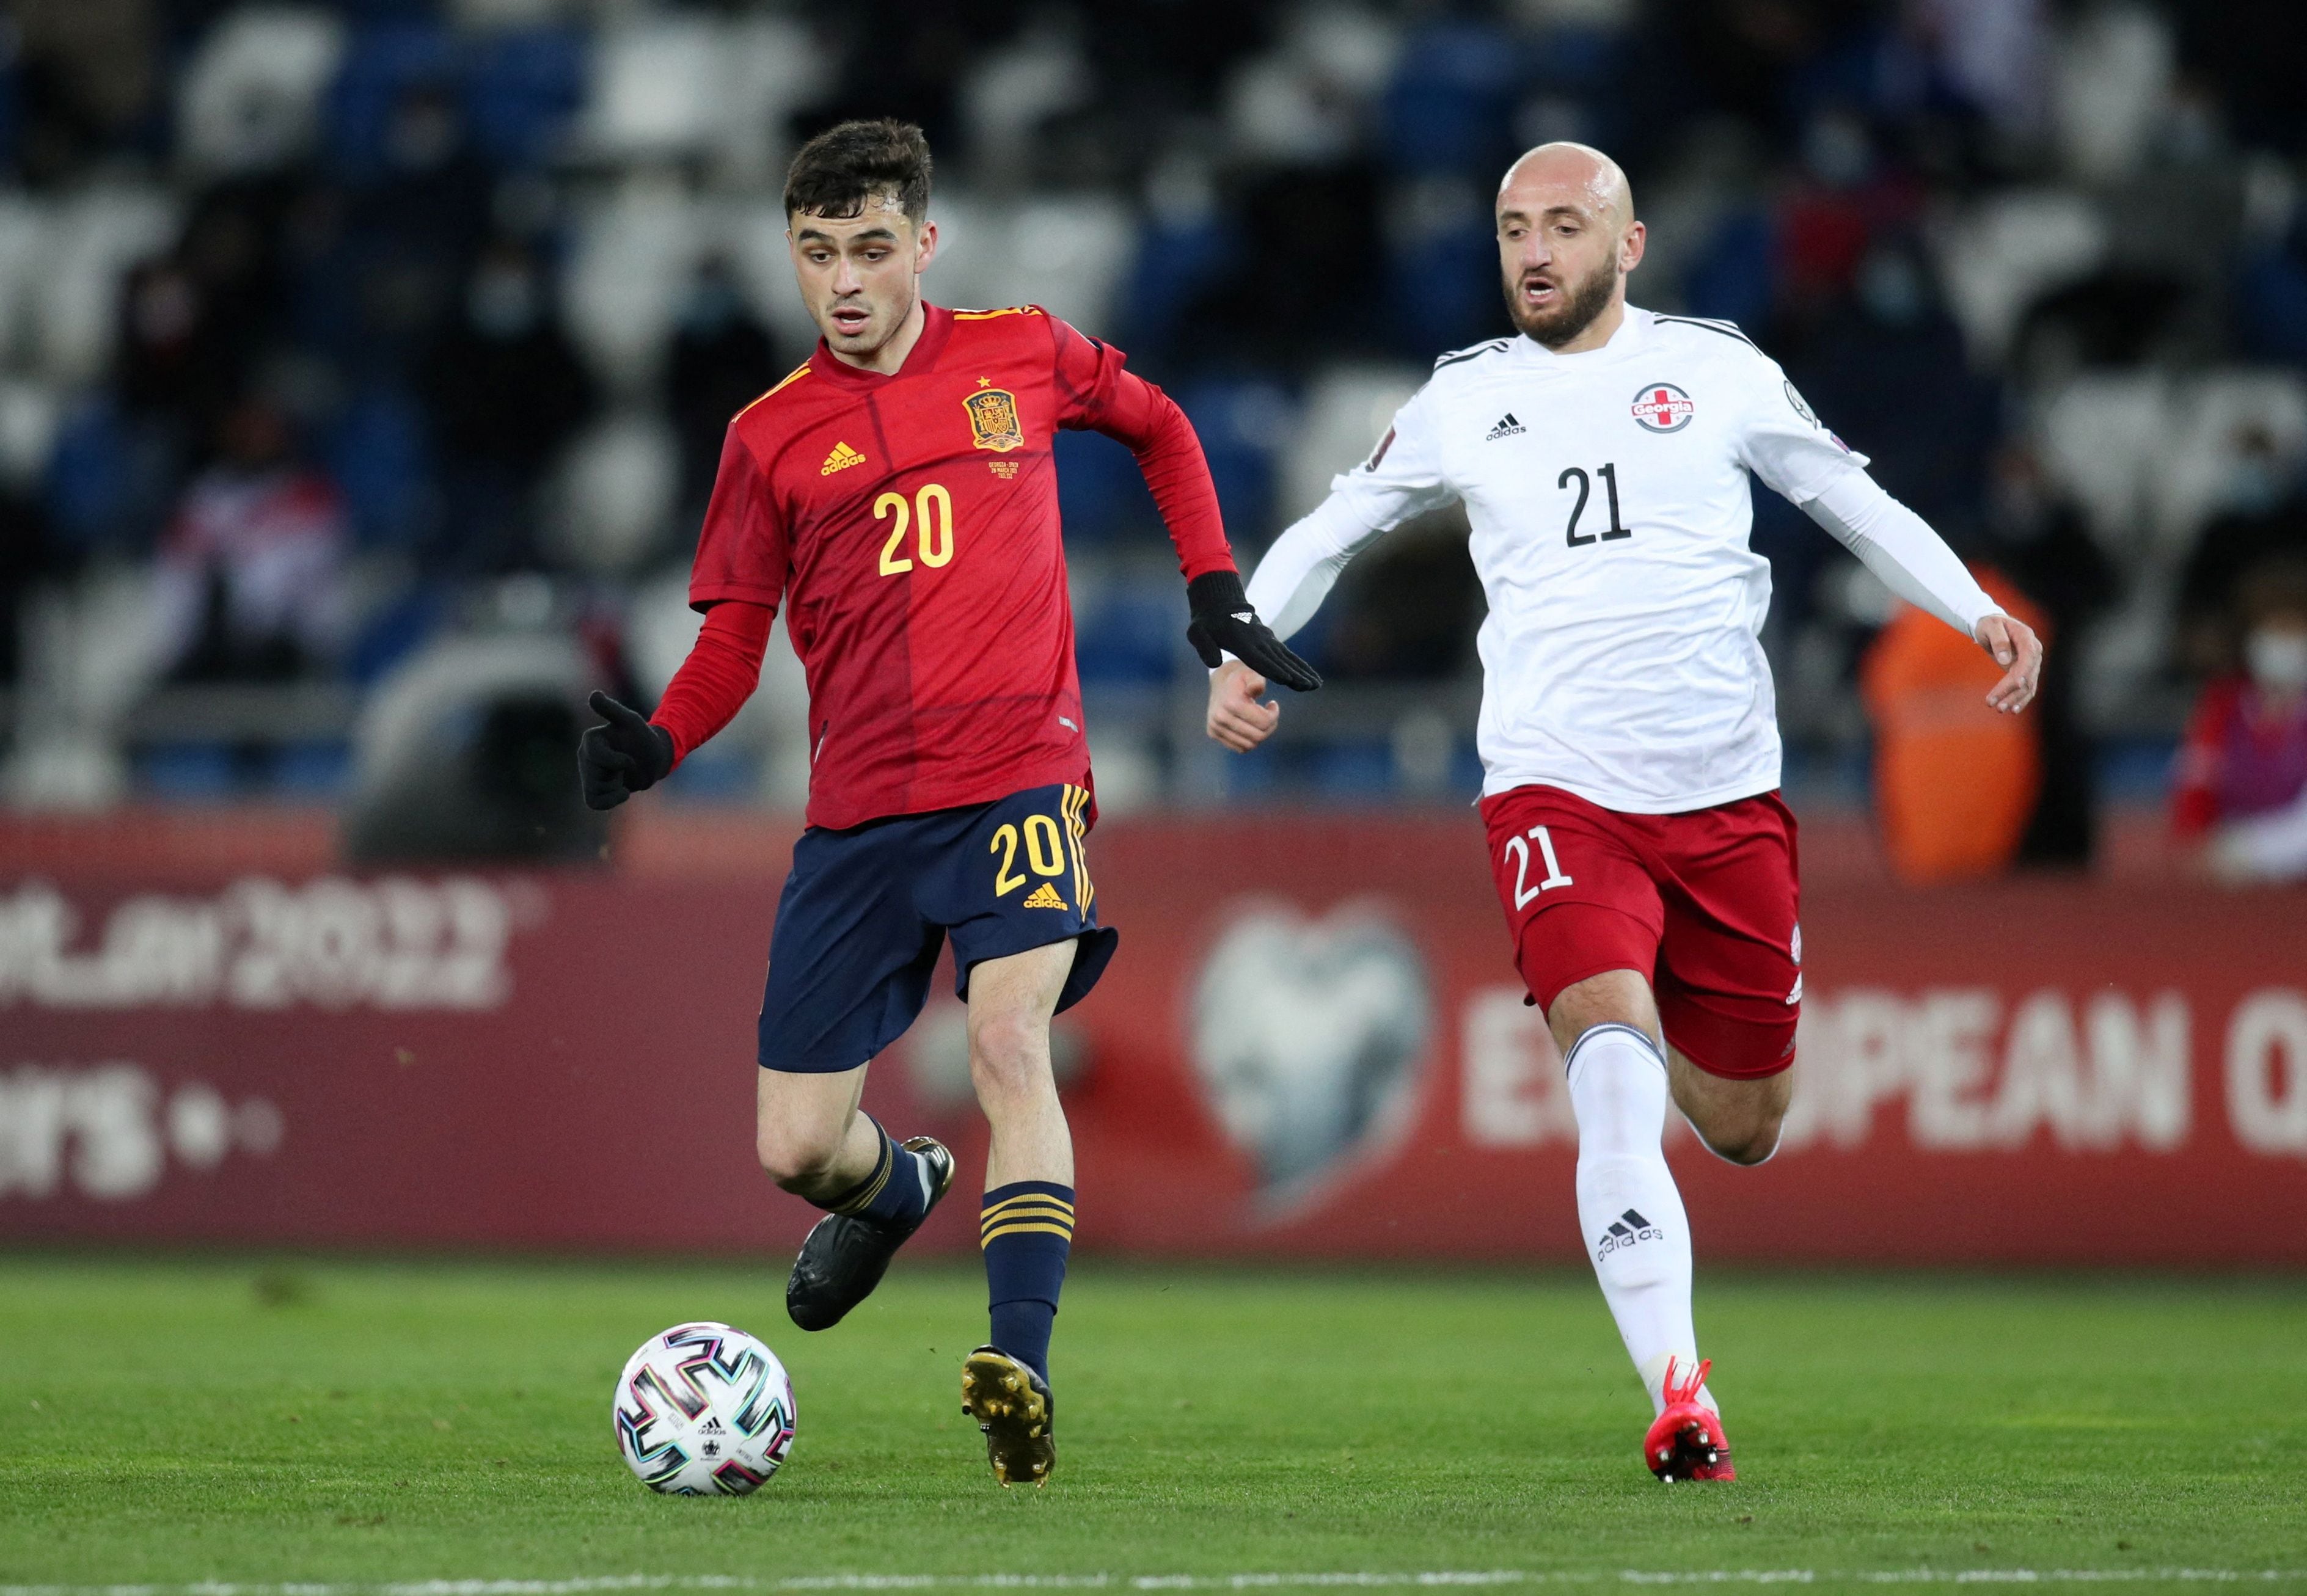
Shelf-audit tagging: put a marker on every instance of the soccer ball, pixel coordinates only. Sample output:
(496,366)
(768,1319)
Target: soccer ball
(704,1410)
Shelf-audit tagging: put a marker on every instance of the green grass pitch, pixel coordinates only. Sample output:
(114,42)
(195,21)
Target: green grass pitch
(356,1423)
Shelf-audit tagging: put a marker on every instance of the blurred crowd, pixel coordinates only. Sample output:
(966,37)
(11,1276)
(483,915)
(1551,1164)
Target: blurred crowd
(336,335)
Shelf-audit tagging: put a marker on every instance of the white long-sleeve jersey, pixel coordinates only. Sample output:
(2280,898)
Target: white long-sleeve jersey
(1607,496)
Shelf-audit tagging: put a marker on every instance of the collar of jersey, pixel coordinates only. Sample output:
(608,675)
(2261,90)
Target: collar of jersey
(1632,333)
(937,326)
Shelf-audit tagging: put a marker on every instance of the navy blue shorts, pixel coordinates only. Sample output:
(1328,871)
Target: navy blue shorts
(866,911)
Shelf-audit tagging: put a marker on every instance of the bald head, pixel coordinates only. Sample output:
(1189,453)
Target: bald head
(1561,170)
(1568,237)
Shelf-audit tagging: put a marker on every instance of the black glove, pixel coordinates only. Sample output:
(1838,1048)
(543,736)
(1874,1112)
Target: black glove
(1224,620)
(626,757)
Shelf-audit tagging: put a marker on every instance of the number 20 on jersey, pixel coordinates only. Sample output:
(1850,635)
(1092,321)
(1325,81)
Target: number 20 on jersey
(929,513)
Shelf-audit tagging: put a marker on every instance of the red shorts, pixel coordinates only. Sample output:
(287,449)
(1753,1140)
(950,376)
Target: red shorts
(1703,904)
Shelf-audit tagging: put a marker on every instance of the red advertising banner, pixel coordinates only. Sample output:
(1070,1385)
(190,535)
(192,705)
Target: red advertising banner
(1311,1042)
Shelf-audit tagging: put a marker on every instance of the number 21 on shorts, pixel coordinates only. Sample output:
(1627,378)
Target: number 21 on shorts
(1518,849)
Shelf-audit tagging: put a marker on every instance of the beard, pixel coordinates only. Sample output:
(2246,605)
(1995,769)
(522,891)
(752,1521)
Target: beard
(1573,312)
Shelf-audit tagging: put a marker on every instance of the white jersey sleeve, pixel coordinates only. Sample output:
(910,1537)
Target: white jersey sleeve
(1782,441)
(1402,478)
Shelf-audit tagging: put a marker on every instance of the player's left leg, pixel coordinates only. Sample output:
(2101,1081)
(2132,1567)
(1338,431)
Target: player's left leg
(1027,944)
(1027,1222)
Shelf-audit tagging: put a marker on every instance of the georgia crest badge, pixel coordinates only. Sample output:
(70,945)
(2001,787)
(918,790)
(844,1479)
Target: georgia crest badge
(1662,407)
(994,420)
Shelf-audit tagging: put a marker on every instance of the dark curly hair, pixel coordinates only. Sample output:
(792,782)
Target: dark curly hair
(843,169)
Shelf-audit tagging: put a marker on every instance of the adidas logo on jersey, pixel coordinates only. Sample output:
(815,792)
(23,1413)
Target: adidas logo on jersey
(1624,1231)
(841,459)
(1044,896)
(1508,427)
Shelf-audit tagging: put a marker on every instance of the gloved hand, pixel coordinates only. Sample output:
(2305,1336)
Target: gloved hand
(1224,621)
(626,757)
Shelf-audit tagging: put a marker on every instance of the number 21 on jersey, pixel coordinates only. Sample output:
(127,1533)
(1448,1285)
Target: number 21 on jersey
(1518,850)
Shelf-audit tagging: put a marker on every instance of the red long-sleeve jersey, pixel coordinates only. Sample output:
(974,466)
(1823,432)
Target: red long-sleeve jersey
(909,523)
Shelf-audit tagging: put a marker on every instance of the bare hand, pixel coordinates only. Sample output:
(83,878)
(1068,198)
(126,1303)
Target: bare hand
(2015,647)
(1237,718)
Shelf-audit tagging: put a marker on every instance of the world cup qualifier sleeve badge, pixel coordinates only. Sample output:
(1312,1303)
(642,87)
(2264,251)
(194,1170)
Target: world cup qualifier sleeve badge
(994,420)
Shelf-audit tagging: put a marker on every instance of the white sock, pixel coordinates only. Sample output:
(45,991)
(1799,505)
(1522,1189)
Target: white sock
(1636,1232)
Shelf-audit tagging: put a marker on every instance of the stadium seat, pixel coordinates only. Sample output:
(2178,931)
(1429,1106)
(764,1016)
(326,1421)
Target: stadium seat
(1244,424)
(2207,417)
(1347,409)
(2110,89)
(378,451)
(2102,435)
(94,238)
(182,773)
(524,90)
(2003,253)
(31,412)
(1448,106)
(1442,268)
(655,84)
(634,250)
(1101,498)
(249,98)
(382,61)
(613,496)
(1129,631)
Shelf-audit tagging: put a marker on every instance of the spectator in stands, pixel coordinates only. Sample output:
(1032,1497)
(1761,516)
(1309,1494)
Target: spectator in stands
(2243,770)
(2263,518)
(2036,532)
(722,361)
(506,392)
(251,584)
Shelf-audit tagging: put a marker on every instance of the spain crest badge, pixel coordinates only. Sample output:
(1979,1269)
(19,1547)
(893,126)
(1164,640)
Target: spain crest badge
(994,420)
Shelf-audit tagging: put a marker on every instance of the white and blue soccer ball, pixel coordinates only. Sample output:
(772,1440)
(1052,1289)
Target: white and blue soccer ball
(704,1410)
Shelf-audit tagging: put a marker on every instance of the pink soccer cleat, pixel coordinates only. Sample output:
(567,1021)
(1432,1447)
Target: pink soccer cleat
(1685,1442)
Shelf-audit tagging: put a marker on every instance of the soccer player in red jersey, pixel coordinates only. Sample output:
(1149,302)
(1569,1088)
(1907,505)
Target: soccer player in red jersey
(898,495)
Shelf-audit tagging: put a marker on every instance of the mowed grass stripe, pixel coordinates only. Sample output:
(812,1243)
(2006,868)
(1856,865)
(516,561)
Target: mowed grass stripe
(366,1424)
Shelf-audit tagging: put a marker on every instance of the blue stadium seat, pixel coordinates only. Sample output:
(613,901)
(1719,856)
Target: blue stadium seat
(1243,422)
(525,84)
(393,632)
(1442,287)
(382,61)
(191,772)
(1100,493)
(1449,108)
(310,772)
(1735,277)
(1175,264)
(377,451)
(1361,768)
(1130,634)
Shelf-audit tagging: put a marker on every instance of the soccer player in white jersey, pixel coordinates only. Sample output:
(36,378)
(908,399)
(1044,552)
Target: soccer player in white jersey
(1628,735)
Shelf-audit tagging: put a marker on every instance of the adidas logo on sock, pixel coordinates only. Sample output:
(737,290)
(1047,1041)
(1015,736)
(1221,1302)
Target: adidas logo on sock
(1624,1231)
(841,459)
(1044,896)
(1508,427)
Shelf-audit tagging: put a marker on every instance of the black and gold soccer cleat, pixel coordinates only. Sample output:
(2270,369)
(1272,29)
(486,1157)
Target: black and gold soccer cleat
(847,1254)
(1012,1406)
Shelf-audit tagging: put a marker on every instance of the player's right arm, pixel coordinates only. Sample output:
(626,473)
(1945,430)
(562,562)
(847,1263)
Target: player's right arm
(736,580)
(1399,481)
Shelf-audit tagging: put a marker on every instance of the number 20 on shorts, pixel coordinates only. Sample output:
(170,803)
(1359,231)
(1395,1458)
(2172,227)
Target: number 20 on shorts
(931,510)
(1518,849)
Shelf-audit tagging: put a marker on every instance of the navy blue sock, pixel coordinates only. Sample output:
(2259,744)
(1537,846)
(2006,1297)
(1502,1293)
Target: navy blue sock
(1027,1230)
(898,1189)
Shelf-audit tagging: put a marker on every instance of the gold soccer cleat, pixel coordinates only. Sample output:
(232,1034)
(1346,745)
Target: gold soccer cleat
(1012,1405)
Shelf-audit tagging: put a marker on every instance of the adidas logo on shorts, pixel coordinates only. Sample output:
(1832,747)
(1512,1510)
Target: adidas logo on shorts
(1508,427)
(1044,896)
